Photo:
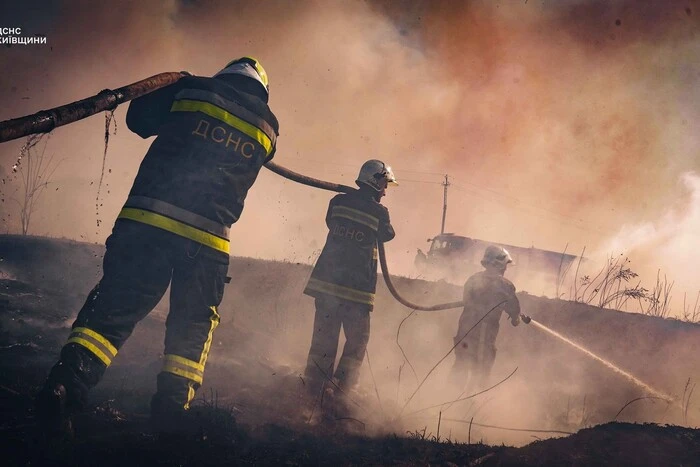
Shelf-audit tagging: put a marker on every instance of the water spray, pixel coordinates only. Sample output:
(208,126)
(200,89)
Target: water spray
(607,364)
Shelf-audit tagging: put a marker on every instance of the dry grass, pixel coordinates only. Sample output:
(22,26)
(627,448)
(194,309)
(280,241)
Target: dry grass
(616,285)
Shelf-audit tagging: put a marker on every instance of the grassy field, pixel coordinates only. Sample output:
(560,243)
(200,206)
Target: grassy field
(250,406)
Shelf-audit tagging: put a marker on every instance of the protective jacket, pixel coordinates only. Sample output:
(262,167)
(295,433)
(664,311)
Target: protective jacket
(212,141)
(482,292)
(347,266)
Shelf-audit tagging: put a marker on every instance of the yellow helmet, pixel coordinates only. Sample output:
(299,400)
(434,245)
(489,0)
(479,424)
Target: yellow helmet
(249,67)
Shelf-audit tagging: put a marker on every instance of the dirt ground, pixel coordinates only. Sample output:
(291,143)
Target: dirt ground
(250,403)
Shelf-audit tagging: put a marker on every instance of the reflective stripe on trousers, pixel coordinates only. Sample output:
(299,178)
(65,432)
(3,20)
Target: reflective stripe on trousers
(95,342)
(190,369)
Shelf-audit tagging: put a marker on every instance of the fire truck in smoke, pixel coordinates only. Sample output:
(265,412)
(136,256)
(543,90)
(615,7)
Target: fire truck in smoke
(454,258)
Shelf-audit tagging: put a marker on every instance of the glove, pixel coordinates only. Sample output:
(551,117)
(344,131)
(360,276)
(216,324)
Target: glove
(515,320)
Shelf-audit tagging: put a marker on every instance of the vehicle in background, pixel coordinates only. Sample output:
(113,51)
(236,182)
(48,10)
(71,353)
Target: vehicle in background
(454,258)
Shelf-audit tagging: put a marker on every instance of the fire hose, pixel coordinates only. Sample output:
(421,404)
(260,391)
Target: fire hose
(107,99)
(303,179)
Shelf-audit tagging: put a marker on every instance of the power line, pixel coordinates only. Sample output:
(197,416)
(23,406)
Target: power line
(517,201)
(460,187)
(507,201)
(476,190)
(419,172)
(345,164)
(401,180)
(549,211)
(531,209)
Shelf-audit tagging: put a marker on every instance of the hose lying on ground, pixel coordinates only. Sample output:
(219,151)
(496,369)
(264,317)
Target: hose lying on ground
(46,120)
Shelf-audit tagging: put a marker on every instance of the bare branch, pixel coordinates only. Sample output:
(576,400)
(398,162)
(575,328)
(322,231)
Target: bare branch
(578,265)
(330,380)
(352,420)
(529,430)
(449,352)
(376,389)
(465,398)
(36,174)
(560,276)
(635,400)
(405,357)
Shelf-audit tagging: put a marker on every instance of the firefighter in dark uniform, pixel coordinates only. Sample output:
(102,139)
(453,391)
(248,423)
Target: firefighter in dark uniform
(344,279)
(484,291)
(213,136)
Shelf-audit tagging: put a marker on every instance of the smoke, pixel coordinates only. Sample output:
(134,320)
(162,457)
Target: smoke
(667,242)
(558,122)
(556,125)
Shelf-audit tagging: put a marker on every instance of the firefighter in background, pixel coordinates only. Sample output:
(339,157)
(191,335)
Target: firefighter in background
(484,291)
(344,279)
(213,136)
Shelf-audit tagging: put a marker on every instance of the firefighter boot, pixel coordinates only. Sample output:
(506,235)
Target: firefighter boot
(310,399)
(52,415)
(328,405)
(170,408)
(168,417)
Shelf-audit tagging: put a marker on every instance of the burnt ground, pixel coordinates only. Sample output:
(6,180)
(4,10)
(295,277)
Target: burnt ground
(249,409)
(115,429)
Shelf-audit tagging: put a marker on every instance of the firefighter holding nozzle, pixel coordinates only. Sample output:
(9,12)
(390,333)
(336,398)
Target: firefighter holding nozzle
(487,291)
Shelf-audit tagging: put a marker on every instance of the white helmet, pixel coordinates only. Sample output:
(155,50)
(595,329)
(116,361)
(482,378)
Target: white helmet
(372,172)
(496,256)
(250,67)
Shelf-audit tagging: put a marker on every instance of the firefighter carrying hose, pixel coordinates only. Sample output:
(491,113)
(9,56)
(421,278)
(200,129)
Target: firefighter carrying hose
(344,279)
(213,136)
(484,291)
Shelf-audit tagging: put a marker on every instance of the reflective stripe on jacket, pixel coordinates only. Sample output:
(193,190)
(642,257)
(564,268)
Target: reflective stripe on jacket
(347,266)
(212,140)
(184,223)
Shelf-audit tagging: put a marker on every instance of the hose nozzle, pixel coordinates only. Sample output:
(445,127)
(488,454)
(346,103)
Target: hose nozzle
(525,318)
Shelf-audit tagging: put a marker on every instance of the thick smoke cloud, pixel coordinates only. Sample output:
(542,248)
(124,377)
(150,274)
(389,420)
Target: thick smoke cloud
(559,122)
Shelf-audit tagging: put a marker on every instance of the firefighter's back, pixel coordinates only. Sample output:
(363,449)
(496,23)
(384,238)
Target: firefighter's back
(209,149)
(486,292)
(347,266)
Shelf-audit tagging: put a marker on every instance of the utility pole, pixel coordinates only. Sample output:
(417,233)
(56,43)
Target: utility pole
(445,184)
